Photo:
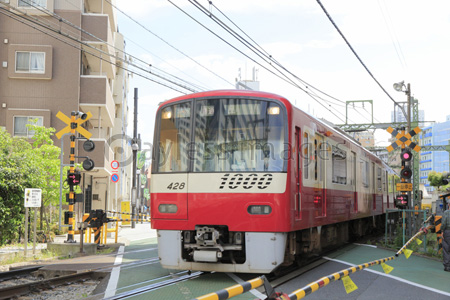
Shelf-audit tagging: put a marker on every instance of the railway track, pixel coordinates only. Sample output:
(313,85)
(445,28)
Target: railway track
(46,284)
(151,285)
(22,282)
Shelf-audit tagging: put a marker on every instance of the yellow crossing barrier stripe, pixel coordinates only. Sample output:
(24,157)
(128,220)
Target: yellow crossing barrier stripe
(312,287)
(234,290)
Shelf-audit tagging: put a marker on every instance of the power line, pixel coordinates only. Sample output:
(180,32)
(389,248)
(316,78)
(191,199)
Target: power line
(167,43)
(18,18)
(61,19)
(287,79)
(392,34)
(253,48)
(354,52)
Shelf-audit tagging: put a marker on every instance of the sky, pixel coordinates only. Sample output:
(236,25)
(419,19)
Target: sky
(397,40)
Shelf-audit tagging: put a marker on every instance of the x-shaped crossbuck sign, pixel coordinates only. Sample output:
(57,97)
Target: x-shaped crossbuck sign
(403,138)
(78,121)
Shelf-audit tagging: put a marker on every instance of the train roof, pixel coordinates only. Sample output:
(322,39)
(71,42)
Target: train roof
(230,92)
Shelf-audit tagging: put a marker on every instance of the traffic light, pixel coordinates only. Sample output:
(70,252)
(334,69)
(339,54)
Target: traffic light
(88,164)
(406,173)
(73,178)
(401,201)
(406,155)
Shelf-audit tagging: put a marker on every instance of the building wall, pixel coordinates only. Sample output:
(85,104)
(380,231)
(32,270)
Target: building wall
(438,161)
(72,80)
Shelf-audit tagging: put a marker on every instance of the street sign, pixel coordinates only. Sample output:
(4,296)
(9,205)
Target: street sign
(33,197)
(403,139)
(115,164)
(404,187)
(67,129)
(115,178)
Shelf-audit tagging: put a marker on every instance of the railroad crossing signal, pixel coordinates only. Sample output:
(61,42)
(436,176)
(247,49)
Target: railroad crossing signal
(78,128)
(403,139)
(401,201)
(73,178)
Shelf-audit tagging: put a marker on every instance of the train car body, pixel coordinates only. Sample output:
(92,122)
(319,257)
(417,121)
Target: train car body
(242,181)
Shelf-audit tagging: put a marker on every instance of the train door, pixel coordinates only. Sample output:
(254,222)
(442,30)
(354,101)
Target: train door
(298,173)
(319,175)
(374,188)
(353,181)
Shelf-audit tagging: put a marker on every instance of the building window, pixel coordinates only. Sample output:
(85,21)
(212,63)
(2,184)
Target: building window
(32,3)
(30,62)
(20,125)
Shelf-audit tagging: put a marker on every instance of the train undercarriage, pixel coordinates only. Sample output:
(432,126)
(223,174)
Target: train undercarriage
(215,248)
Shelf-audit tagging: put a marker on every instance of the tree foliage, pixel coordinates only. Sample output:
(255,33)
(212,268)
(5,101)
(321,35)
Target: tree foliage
(24,165)
(436,179)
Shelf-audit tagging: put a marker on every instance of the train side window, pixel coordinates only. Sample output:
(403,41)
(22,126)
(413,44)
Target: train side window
(174,138)
(339,166)
(305,148)
(379,179)
(365,173)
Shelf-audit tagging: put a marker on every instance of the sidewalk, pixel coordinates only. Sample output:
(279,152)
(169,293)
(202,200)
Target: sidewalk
(126,235)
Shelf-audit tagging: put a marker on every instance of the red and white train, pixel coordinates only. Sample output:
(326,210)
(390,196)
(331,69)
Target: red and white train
(243,181)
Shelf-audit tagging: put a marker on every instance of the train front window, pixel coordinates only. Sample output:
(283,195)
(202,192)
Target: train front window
(238,135)
(174,138)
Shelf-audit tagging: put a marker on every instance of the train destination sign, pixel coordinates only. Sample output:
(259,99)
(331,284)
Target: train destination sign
(404,187)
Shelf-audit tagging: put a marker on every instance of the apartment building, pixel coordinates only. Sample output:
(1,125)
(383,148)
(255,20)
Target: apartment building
(67,55)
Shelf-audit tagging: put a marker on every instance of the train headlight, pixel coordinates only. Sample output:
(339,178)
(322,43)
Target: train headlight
(259,209)
(167,208)
(274,110)
(167,113)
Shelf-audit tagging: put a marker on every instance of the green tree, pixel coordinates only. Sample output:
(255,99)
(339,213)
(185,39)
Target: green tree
(25,165)
(46,157)
(16,173)
(436,179)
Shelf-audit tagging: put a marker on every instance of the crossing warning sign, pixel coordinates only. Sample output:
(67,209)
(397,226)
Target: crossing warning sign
(403,139)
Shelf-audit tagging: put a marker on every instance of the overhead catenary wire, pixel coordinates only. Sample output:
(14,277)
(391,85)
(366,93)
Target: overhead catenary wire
(71,25)
(19,17)
(167,43)
(285,79)
(254,48)
(265,56)
(393,34)
(357,56)
(270,57)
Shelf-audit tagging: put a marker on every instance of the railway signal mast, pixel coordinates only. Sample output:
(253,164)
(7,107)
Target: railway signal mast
(402,200)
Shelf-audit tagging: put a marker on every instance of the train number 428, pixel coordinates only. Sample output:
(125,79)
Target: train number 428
(176,186)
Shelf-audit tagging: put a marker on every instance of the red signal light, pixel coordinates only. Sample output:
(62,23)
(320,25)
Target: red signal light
(406,155)
(406,173)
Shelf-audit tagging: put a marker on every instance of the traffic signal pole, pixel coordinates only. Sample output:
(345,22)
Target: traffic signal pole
(73,126)
(134,148)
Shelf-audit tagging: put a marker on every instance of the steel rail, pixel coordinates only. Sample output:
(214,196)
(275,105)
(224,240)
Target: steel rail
(46,284)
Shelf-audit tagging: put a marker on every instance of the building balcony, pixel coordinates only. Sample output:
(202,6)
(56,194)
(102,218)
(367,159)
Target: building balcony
(100,50)
(102,7)
(102,156)
(96,97)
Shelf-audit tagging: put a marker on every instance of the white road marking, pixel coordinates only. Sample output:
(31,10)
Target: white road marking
(114,277)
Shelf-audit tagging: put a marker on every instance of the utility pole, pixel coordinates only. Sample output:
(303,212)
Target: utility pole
(134,147)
